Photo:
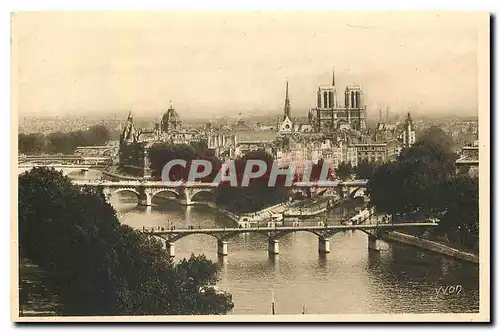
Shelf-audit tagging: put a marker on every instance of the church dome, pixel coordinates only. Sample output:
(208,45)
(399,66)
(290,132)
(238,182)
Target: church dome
(170,120)
(170,115)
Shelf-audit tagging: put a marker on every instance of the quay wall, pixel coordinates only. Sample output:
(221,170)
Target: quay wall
(431,246)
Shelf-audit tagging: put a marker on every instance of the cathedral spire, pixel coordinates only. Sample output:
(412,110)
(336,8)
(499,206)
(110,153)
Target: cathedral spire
(333,76)
(287,103)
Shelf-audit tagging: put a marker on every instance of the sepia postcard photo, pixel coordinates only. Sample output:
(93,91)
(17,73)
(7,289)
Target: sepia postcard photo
(250,166)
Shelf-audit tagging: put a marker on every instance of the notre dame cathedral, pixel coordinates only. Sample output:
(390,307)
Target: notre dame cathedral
(329,115)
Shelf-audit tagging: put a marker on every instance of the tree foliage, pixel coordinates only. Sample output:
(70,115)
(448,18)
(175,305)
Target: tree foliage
(100,267)
(161,153)
(344,171)
(461,205)
(422,182)
(364,169)
(258,194)
(199,146)
(434,135)
(411,183)
(60,142)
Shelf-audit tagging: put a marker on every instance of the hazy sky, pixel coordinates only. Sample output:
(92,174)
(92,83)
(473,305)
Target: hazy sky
(220,64)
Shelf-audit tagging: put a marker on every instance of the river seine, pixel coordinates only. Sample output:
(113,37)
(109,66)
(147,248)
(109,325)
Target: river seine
(348,280)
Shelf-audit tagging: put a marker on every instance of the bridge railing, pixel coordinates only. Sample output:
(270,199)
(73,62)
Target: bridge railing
(325,225)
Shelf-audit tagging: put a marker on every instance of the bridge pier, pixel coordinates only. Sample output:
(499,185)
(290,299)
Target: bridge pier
(222,248)
(185,197)
(323,245)
(273,246)
(145,197)
(373,243)
(185,202)
(170,246)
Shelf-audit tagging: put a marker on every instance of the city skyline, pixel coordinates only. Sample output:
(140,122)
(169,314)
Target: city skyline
(83,63)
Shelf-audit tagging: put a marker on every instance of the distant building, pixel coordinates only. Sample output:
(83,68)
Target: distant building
(468,163)
(287,125)
(223,144)
(408,135)
(329,116)
(135,143)
(132,154)
(377,152)
(387,141)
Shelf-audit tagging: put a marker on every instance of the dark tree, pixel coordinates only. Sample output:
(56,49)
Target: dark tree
(200,146)
(411,184)
(98,266)
(161,153)
(365,169)
(258,194)
(32,143)
(461,201)
(344,171)
(384,189)
(97,135)
(60,142)
(423,168)
(434,135)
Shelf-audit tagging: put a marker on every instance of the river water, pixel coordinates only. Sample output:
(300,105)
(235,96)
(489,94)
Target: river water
(349,280)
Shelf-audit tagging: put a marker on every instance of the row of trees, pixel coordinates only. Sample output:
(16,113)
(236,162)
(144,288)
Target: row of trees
(255,196)
(98,266)
(60,142)
(422,183)
(363,170)
(161,153)
(258,194)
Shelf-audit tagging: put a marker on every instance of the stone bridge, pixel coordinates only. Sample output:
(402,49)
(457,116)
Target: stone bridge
(65,169)
(189,193)
(353,188)
(145,191)
(66,160)
(273,234)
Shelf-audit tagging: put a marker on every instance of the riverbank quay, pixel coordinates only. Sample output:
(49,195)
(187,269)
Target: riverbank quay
(312,208)
(431,246)
(113,173)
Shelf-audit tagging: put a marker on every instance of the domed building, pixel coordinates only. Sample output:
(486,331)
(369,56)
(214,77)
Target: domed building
(136,142)
(170,121)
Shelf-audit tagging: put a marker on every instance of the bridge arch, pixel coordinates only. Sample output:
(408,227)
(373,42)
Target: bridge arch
(243,231)
(214,235)
(204,195)
(358,192)
(283,233)
(132,190)
(165,190)
(366,231)
(218,236)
